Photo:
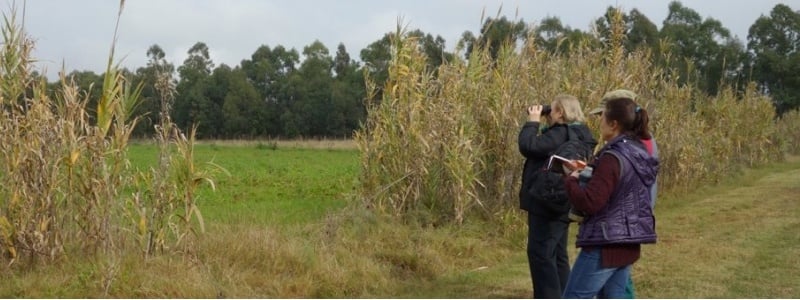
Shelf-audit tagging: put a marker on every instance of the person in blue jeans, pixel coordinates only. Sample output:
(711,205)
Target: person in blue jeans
(616,201)
(652,148)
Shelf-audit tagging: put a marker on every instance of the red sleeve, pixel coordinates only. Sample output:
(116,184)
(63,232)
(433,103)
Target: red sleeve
(594,196)
(649,145)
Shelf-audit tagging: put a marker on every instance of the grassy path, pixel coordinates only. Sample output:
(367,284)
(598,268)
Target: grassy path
(738,239)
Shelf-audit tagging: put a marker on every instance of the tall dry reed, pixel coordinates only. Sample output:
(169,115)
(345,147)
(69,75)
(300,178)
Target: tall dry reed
(164,210)
(66,185)
(445,146)
(789,131)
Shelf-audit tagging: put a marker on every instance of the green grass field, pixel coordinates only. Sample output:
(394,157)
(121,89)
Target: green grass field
(269,186)
(280,226)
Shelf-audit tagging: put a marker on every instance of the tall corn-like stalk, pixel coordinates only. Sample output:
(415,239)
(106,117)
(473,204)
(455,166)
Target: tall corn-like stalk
(29,191)
(163,212)
(425,144)
(101,170)
(788,131)
(446,146)
(394,128)
(66,183)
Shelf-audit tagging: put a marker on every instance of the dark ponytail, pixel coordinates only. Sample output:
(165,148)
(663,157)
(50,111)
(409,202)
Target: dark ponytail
(632,118)
(641,124)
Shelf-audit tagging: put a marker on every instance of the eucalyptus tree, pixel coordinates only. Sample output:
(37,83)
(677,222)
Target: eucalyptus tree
(774,46)
(639,30)
(242,107)
(433,47)
(268,70)
(150,105)
(192,106)
(347,95)
(554,36)
(494,34)
(703,51)
(309,107)
(377,55)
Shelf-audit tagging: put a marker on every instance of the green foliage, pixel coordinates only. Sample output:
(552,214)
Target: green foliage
(193,106)
(495,34)
(347,96)
(639,30)
(555,37)
(376,58)
(241,108)
(311,104)
(774,42)
(149,110)
(702,51)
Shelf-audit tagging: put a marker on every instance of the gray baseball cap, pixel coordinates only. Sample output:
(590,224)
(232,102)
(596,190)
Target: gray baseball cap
(615,94)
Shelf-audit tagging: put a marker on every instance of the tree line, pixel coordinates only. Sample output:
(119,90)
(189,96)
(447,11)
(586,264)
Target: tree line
(283,93)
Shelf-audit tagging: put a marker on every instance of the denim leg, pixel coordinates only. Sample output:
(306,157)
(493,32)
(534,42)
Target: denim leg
(616,286)
(587,278)
(630,291)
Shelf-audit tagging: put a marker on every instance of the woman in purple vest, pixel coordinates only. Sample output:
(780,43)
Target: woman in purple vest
(617,203)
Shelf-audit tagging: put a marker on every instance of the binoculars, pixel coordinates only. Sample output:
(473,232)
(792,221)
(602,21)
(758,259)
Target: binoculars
(546,109)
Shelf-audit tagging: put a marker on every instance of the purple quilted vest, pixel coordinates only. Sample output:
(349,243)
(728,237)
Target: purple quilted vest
(628,216)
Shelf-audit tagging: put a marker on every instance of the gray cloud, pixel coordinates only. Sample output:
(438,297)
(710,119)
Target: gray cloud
(79,32)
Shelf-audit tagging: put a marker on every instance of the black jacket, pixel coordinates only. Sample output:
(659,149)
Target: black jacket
(536,148)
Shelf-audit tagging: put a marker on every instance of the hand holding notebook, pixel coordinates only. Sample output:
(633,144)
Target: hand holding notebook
(571,164)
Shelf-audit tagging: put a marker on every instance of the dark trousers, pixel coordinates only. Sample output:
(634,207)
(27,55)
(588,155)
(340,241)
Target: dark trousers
(547,255)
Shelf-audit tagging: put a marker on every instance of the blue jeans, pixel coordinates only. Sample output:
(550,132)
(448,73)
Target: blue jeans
(587,278)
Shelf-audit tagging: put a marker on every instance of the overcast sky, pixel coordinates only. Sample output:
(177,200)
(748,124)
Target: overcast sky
(78,33)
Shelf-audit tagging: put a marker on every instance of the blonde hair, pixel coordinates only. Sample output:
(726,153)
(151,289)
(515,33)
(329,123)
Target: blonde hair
(570,107)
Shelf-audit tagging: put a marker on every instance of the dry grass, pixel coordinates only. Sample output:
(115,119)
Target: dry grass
(355,254)
(349,255)
(327,144)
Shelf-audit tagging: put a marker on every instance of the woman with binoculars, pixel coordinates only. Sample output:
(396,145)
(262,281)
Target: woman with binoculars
(547,221)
